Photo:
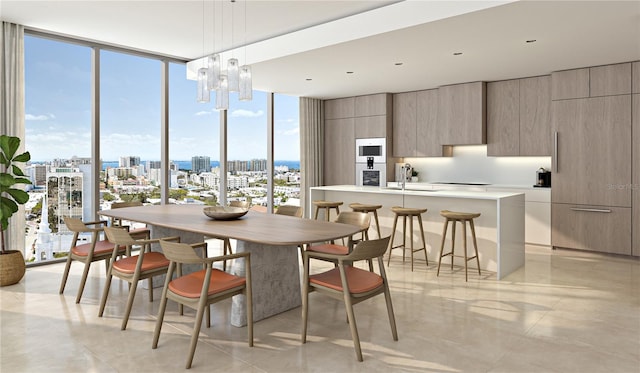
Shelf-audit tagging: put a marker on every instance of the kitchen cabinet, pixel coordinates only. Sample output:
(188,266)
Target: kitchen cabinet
(404,124)
(519,117)
(373,116)
(339,152)
(594,228)
(428,130)
(374,126)
(339,108)
(569,84)
(635,190)
(372,105)
(593,151)
(635,76)
(462,113)
(609,80)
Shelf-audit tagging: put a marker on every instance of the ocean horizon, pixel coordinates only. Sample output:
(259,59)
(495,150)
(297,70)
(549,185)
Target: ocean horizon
(186,165)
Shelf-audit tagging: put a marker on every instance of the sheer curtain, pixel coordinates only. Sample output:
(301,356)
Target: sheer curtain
(12,108)
(311,147)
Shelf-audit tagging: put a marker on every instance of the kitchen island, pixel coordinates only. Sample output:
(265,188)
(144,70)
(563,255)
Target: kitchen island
(499,229)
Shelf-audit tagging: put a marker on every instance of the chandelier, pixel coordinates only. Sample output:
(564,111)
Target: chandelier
(212,77)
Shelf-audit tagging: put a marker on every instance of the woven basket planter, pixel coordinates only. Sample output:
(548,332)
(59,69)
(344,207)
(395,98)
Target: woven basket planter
(12,267)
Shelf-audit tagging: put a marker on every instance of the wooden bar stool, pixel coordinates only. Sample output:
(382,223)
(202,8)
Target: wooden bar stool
(407,212)
(327,205)
(461,217)
(361,207)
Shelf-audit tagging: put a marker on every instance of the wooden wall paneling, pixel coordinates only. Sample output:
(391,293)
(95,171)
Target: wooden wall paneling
(610,80)
(535,116)
(503,118)
(339,108)
(428,129)
(570,84)
(404,124)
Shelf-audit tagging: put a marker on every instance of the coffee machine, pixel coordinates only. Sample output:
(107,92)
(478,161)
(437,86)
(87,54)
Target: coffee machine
(543,178)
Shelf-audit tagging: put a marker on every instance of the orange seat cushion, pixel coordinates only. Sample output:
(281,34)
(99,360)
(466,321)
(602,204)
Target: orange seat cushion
(329,249)
(359,280)
(102,247)
(190,285)
(152,260)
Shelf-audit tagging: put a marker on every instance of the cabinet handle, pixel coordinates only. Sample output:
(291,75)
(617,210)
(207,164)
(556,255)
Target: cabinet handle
(555,152)
(590,210)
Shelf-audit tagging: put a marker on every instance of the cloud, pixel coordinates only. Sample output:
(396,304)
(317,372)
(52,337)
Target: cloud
(204,112)
(39,117)
(246,113)
(293,131)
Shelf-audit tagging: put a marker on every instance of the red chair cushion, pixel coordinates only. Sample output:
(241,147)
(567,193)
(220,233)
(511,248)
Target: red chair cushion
(329,249)
(190,285)
(102,247)
(358,280)
(152,260)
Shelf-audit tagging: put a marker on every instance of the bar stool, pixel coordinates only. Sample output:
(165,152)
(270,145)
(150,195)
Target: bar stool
(407,212)
(327,205)
(361,207)
(461,217)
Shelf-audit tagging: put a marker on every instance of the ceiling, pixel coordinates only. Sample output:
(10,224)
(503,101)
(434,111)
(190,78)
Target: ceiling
(307,47)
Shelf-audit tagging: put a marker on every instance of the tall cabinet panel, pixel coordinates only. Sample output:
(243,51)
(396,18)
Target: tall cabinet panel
(535,116)
(503,118)
(339,152)
(593,151)
(428,131)
(462,112)
(404,124)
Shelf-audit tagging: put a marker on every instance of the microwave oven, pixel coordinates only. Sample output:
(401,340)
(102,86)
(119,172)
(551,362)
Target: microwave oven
(371,148)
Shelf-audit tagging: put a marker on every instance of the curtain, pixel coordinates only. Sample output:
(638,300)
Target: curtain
(12,109)
(311,147)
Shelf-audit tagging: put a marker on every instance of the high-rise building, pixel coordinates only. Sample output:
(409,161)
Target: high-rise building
(64,196)
(237,166)
(154,165)
(37,173)
(258,165)
(129,161)
(200,163)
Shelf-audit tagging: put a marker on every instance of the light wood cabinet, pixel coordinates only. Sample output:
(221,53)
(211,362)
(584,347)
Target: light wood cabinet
(428,130)
(535,116)
(594,151)
(636,175)
(635,77)
(462,113)
(372,105)
(570,84)
(595,228)
(503,118)
(404,124)
(339,152)
(372,126)
(610,80)
(339,108)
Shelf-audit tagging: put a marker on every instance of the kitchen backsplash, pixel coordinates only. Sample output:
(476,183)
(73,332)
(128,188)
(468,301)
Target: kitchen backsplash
(471,164)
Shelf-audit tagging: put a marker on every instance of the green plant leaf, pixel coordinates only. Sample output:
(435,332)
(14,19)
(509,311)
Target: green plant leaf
(24,157)
(7,180)
(17,171)
(3,159)
(9,145)
(7,207)
(19,196)
(22,180)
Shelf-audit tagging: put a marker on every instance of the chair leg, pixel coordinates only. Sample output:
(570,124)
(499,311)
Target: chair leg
(453,241)
(305,299)
(65,275)
(375,216)
(464,247)
(162,308)
(352,325)
(404,237)
(393,235)
(85,274)
(150,289)
(105,294)
(392,318)
(196,331)
(132,295)
(444,236)
(424,242)
(475,244)
(411,237)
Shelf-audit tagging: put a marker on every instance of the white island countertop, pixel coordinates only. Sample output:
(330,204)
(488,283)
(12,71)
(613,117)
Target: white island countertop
(424,191)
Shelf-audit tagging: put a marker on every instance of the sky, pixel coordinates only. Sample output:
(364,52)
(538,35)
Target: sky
(58,110)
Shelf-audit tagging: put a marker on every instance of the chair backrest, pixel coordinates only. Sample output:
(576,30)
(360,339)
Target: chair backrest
(243,204)
(289,210)
(116,205)
(75,225)
(359,219)
(180,252)
(368,249)
(118,236)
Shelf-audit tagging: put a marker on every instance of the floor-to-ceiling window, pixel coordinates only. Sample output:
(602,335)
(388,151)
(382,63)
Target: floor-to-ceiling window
(286,150)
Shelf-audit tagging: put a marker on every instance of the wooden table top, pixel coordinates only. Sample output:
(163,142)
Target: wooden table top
(256,227)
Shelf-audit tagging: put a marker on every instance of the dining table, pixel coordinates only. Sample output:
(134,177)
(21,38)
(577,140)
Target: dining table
(273,241)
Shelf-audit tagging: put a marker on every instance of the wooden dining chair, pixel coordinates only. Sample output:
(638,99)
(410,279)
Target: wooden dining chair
(349,284)
(132,269)
(359,219)
(289,210)
(97,249)
(200,289)
(137,233)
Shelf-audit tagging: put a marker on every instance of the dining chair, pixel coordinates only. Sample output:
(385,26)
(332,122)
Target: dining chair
(132,269)
(200,289)
(359,219)
(349,284)
(289,210)
(137,233)
(97,249)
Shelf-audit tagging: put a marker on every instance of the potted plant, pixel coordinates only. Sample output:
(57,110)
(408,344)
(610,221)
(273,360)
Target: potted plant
(12,266)
(414,176)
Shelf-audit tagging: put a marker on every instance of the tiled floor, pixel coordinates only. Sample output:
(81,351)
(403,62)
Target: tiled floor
(565,311)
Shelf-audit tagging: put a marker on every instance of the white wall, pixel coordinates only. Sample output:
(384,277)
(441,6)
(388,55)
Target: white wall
(471,164)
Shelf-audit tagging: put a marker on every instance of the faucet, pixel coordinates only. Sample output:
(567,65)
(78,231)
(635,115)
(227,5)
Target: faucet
(406,168)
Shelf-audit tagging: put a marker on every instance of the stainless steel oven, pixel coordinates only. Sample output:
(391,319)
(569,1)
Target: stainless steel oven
(374,176)
(373,147)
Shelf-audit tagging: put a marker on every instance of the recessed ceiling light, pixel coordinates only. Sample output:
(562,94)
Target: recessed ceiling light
(349,72)
(398,63)
(457,53)
(309,79)
(531,41)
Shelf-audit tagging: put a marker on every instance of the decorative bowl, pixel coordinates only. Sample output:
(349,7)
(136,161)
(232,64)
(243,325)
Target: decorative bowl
(224,212)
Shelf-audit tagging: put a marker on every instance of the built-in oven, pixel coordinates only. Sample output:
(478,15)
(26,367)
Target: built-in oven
(375,175)
(371,148)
